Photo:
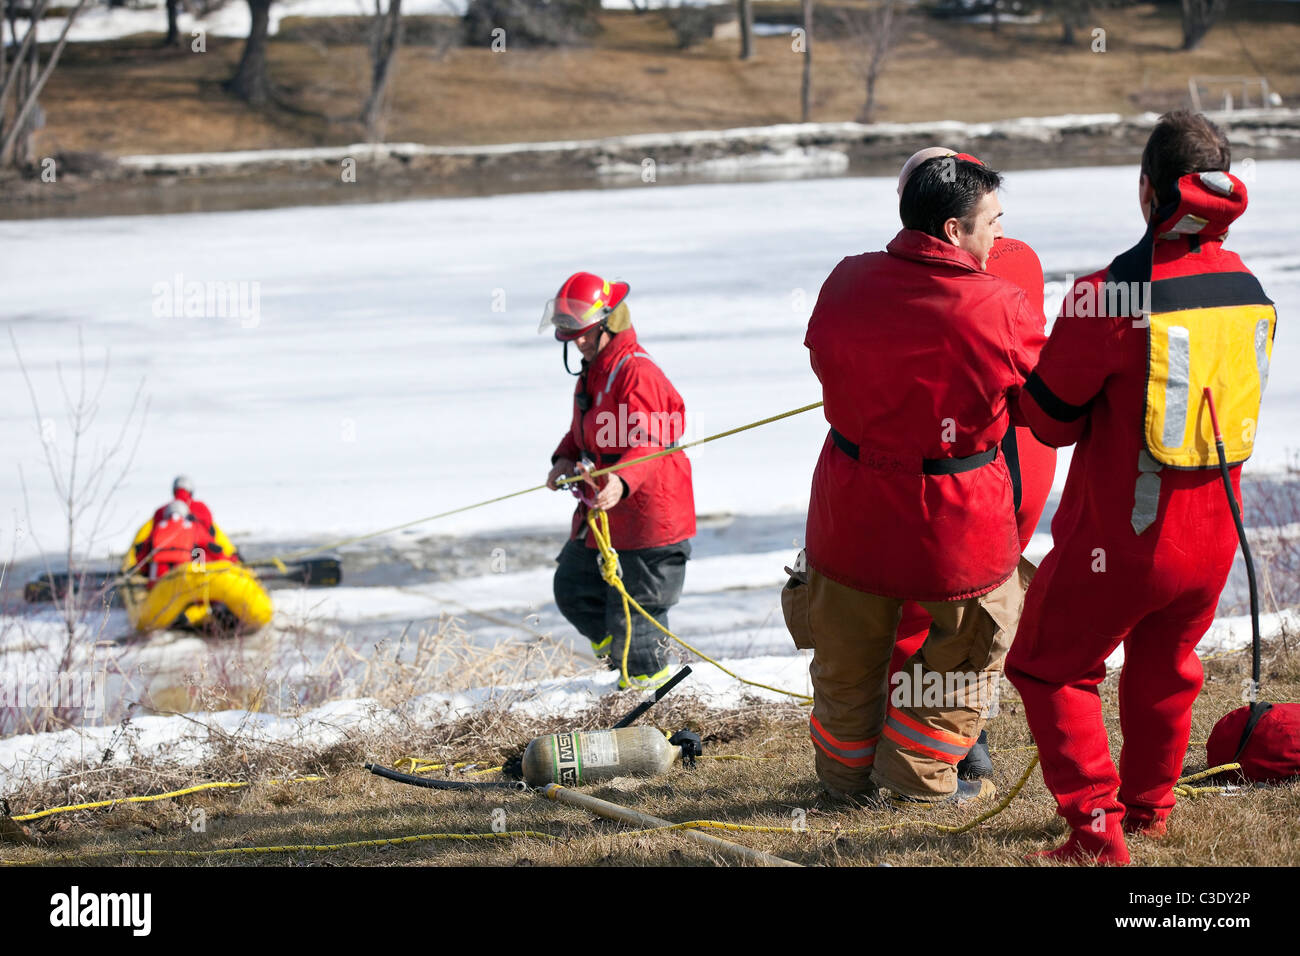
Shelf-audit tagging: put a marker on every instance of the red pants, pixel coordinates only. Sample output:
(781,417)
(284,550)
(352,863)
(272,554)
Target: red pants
(1037,467)
(1158,605)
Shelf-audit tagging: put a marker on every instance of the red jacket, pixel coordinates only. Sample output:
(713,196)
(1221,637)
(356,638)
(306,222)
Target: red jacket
(172,543)
(1090,387)
(198,509)
(633,411)
(921,355)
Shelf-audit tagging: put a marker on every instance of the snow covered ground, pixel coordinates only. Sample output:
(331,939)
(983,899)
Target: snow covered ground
(388,367)
(100,22)
(392,369)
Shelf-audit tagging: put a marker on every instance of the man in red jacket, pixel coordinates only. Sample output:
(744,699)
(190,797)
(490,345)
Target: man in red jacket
(1031,464)
(624,408)
(219,547)
(1143,537)
(173,541)
(921,355)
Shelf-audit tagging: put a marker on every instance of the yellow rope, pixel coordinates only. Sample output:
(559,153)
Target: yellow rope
(851,831)
(598,521)
(221,785)
(1214,657)
(293,848)
(563,481)
(1182,788)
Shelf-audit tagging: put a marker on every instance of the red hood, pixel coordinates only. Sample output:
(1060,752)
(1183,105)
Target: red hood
(1205,205)
(920,247)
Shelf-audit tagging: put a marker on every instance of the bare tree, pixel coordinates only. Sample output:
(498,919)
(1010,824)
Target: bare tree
(173,28)
(86,478)
(250,81)
(805,86)
(745,11)
(24,78)
(386,38)
(1198,17)
(873,33)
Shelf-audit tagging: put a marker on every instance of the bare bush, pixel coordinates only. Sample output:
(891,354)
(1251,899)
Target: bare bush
(871,35)
(692,25)
(530,23)
(86,479)
(1272,512)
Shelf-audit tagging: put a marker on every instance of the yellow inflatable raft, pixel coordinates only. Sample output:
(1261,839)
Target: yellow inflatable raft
(220,594)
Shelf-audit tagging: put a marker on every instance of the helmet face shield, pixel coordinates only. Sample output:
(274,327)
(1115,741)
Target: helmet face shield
(570,317)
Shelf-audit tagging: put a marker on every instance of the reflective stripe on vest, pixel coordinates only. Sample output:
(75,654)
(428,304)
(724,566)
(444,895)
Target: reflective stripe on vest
(609,382)
(911,734)
(855,753)
(1178,383)
(1261,352)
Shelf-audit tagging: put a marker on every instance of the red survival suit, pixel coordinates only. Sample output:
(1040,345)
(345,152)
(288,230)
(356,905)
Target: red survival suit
(632,410)
(217,544)
(1031,463)
(172,542)
(199,511)
(1141,552)
(924,382)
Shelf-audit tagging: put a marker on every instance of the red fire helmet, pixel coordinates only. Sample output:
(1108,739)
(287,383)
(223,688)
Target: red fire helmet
(584,300)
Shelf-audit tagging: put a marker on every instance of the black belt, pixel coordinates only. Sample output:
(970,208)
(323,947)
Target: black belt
(929,466)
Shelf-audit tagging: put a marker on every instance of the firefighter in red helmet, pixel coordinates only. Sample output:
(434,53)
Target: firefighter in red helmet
(624,408)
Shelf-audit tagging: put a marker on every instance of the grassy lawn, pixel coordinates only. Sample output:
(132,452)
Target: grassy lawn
(774,787)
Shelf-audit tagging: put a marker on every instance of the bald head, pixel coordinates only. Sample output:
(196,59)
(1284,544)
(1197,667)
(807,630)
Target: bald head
(917,158)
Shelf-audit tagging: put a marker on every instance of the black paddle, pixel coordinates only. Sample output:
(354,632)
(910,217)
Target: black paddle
(313,572)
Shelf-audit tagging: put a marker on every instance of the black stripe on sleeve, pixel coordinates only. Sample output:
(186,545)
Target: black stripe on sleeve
(1048,401)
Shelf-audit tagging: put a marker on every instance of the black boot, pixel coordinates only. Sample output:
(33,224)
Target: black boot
(977,762)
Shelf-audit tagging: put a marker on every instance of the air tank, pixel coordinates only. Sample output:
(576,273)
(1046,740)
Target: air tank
(590,756)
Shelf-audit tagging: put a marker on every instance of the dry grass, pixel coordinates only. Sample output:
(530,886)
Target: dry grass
(1254,826)
(132,97)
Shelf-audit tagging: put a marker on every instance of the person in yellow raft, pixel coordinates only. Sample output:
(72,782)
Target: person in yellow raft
(183,571)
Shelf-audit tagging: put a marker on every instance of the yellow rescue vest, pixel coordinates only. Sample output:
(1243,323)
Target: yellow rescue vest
(1213,331)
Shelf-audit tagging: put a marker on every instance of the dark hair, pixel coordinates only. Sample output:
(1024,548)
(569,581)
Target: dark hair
(1183,142)
(944,188)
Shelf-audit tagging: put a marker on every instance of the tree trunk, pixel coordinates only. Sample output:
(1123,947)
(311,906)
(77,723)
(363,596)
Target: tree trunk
(27,125)
(868,113)
(1198,17)
(28,115)
(994,14)
(805,89)
(173,29)
(250,81)
(383,56)
(746,13)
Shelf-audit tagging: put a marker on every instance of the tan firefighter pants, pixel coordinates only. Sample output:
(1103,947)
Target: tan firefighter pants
(909,732)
